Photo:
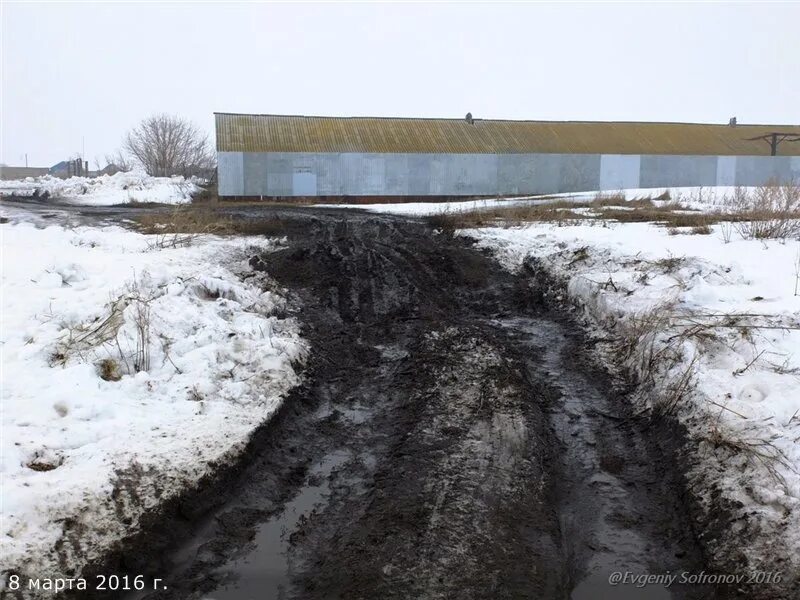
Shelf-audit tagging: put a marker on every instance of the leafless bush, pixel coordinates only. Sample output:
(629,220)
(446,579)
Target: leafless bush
(771,212)
(141,318)
(754,449)
(170,145)
(726,230)
(103,336)
(652,347)
(703,229)
(82,338)
(797,272)
(117,162)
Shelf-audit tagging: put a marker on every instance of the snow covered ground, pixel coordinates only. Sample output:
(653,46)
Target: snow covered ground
(129,371)
(120,188)
(712,330)
(688,195)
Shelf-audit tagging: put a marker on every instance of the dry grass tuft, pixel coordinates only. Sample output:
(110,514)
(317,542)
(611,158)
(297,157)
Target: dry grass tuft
(771,212)
(182,225)
(109,370)
(506,216)
(185,220)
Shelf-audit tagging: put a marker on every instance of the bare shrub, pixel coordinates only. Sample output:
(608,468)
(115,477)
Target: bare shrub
(167,145)
(81,339)
(141,319)
(117,162)
(86,341)
(797,273)
(726,230)
(771,212)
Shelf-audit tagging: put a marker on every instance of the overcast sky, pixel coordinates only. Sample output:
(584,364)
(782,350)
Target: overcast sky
(74,72)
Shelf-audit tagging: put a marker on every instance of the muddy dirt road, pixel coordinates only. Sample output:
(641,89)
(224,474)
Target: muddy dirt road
(452,441)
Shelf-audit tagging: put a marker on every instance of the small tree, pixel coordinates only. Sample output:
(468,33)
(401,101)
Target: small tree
(167,145)
(115,163)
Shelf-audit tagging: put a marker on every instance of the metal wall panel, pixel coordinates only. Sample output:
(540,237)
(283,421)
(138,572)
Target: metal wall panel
(397,174)
(579,172)
(757,170)
(794,168)
(667,171)
(356,174)
(726,170)
(419,174)
(230,168)
(619,171)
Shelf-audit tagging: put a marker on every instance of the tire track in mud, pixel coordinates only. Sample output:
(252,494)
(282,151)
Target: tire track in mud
(449,441)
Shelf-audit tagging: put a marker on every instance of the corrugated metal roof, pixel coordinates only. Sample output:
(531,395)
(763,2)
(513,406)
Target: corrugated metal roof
(282,133)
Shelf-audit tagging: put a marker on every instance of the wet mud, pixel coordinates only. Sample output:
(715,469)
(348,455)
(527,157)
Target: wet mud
(453,438)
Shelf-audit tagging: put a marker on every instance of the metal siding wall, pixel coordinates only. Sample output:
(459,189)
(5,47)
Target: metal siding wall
(619,171)
(356,174)
(397,174)
(230,174)
(726,170)
(514,174)
(757,170)
(279,169)
(667,171)
(794,168)
(579,172)
(419,174)
(329,175)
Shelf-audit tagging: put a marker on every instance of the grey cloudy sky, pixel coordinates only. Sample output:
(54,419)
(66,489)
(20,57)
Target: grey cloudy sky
(91,71)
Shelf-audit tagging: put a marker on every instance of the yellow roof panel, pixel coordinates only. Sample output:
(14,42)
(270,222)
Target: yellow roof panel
(282,133)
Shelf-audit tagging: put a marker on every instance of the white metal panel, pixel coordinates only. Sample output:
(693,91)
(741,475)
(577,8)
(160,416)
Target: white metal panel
(726,170)
(230,169)
(619,171)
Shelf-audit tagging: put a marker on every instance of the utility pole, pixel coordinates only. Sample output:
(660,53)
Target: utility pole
(774,138)
(26,160)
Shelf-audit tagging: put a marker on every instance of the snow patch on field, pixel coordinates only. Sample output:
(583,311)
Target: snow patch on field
(692,197)
(725,315)
(129,373)
(120,188)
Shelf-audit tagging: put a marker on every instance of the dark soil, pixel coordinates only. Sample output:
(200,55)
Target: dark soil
(453,439)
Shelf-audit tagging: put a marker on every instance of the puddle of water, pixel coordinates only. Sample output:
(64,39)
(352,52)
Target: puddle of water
(598,503)
(356,414)
(265,573)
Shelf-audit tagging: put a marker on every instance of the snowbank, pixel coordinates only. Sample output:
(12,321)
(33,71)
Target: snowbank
(129,372)
(711,330)
(119,188)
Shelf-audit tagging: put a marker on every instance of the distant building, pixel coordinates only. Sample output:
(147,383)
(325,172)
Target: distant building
(275,156)
(8,173)
(70,168)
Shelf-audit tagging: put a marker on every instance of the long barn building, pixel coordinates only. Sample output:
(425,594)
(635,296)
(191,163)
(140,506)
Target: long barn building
(277,156)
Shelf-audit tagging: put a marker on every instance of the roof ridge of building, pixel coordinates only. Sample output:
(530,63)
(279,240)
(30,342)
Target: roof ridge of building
(478,120)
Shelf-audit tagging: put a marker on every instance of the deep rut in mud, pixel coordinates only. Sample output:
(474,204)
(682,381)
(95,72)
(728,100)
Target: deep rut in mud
(452,440)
